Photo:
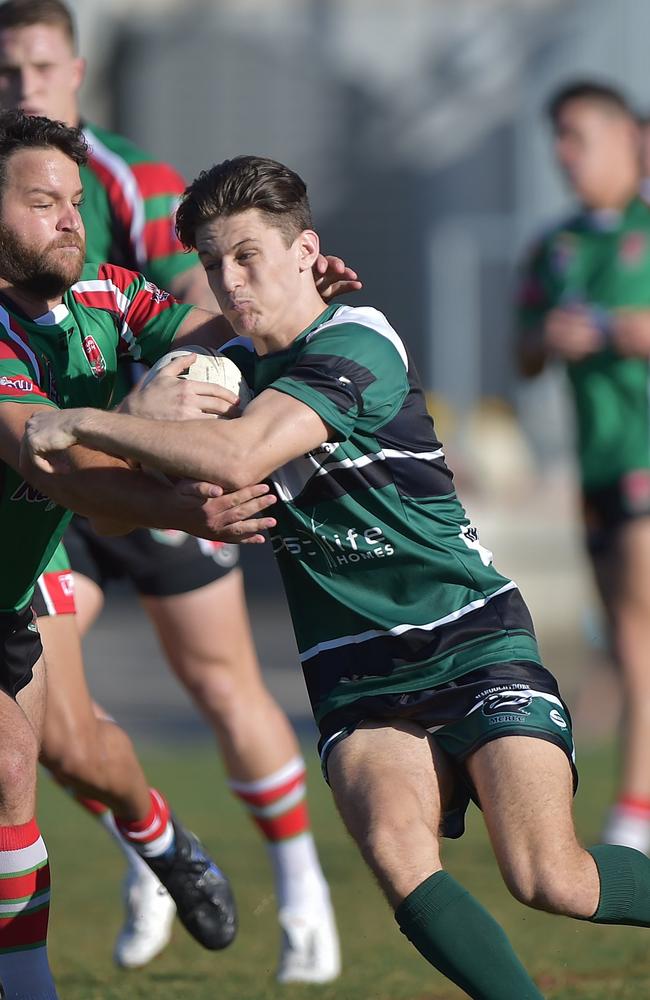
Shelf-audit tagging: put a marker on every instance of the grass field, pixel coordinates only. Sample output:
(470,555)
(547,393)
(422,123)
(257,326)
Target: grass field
(569,959)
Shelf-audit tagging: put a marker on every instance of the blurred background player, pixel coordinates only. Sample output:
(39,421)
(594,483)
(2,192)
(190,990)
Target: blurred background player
(192,590)
(585,301)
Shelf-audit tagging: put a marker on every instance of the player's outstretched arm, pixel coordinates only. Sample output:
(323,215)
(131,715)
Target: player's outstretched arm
(103,486)
(274,429)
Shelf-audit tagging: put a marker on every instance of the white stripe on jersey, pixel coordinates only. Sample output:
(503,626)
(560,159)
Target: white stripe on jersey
(123,304)
(291,479)
(346,640)
(4,320)
(129,185)
(365,316)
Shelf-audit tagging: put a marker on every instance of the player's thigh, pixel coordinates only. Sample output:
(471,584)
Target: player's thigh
(69,716)
(32,699)
(205,629)
(632,576)
(525,788)
(388,775)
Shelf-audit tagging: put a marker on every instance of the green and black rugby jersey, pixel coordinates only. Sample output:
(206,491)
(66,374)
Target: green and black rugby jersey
(388,585)
(68,358)
(601,262)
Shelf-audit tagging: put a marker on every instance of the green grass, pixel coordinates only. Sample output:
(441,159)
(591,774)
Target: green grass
(569,959)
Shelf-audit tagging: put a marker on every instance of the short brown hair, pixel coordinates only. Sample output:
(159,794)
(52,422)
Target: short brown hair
(20,131)
(242,183)
(593,92)
(24,13)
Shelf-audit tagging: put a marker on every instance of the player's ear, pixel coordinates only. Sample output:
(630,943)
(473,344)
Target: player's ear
(79,72)
(308,245)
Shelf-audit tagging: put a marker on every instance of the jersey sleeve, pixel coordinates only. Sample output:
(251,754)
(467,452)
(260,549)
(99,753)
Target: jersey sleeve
(147,317)
(141,197)
(534,294)
(160,188)
(351,376)
(21,375)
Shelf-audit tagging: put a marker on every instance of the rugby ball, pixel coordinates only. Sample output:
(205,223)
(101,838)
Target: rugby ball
(210,366)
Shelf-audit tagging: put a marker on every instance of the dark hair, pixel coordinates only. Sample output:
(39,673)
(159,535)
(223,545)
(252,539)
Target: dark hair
(242,183)
(24,13)
(594,92)
(21,131)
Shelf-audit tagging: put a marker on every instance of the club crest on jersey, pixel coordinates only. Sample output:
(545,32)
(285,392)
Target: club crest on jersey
(632,248)
(94,356)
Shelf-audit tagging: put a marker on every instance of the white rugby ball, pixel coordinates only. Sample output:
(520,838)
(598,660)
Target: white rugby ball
(210,366)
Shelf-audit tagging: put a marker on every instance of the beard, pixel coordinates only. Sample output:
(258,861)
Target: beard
(41,272)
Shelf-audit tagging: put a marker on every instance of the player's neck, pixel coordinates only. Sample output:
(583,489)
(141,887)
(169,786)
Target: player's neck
(293,324)
(616,197)
(30,305)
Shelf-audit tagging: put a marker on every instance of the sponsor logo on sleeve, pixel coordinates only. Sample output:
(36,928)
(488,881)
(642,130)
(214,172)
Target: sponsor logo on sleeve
(157,294)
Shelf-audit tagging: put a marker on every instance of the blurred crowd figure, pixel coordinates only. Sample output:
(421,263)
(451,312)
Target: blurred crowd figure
(584,301)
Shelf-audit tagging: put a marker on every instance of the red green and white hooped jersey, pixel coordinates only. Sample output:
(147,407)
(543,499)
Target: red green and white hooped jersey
(129,208)
(388,585)
(68,358)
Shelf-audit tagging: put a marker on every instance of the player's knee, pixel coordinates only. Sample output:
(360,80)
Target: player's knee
(386,840)
(542,885)
(218,695)
(71,760)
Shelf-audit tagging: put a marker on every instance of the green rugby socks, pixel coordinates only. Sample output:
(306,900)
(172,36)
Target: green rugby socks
(624,886)
(459,937)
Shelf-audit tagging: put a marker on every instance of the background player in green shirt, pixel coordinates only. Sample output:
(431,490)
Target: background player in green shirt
(585,301)
(419,657)
(194,597)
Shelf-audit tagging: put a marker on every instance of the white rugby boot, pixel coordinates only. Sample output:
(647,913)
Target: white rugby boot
(150,913)
(310,951)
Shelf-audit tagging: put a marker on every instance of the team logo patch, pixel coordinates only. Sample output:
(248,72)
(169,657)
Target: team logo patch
(506,703)
(94,356)
(632,248)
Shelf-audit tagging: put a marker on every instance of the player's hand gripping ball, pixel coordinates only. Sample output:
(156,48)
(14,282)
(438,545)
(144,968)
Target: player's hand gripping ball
(210,366)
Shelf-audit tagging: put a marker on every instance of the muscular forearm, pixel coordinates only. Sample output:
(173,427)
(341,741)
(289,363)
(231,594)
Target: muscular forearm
(99,486)
(191,449)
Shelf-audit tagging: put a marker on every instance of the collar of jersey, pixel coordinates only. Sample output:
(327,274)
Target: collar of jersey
(53,317)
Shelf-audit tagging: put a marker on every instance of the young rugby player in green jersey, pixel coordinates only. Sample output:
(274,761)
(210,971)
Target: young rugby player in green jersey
(419,657)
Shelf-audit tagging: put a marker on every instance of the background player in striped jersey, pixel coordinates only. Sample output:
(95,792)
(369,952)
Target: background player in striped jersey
(585,302)
(419,657)
(193,594)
